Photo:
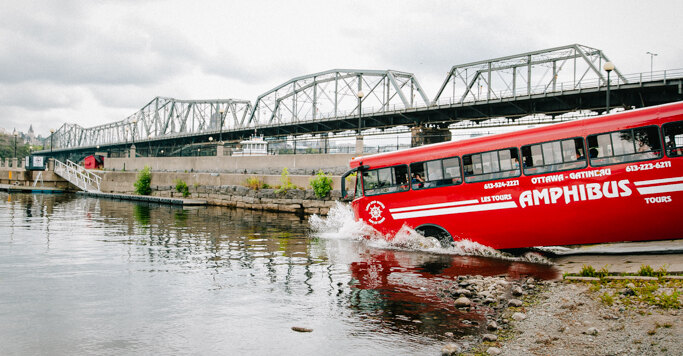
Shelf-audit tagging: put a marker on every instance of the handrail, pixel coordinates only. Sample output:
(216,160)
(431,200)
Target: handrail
(78,176)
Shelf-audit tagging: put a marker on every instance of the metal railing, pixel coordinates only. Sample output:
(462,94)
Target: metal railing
(78,176)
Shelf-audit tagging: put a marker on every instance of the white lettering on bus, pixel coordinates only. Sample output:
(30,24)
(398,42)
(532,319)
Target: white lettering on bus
(548,179)
(591,174)
(574,193)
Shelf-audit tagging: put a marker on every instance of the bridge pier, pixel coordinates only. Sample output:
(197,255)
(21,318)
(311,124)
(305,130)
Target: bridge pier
(359,144)
(131,153)
(422,135)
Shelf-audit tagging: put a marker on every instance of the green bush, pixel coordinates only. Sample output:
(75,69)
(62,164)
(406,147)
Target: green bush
(254,183)
(646,270)
(143,184)
(181,187)
(321,184)
(286,182)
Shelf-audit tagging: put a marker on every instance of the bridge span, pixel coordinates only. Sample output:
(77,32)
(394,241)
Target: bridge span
(552,82)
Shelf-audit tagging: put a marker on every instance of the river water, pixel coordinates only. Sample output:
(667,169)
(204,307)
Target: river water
(93,276)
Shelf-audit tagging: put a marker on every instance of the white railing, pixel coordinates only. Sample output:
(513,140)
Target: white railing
(78,176)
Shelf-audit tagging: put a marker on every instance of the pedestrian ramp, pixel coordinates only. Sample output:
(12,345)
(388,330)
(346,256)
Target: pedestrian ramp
(78,176)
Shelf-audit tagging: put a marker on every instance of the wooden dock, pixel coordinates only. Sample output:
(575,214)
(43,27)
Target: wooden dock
(30,189)
(147,198)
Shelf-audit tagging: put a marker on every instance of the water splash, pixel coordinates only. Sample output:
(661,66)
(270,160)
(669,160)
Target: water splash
(340,224)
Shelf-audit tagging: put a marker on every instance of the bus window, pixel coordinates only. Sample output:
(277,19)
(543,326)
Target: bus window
(554,156)
(673,138)
(436,173)
(385,180)
(491,165)
(624,146)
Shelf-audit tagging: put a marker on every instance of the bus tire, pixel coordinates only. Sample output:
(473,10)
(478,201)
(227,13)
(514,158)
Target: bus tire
(437,232)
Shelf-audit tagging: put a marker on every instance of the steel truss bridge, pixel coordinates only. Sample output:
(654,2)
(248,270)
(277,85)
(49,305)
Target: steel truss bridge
(552,82)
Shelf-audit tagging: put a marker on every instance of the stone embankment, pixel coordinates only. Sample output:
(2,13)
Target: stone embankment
(564,317)
(235,196)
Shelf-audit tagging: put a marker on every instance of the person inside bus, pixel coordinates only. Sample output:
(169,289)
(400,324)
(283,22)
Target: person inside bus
(418,181)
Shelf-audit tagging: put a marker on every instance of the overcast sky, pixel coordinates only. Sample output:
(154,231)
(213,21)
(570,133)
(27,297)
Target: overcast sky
(94,62)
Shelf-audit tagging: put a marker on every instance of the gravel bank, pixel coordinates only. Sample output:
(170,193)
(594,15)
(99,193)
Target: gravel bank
(572,318)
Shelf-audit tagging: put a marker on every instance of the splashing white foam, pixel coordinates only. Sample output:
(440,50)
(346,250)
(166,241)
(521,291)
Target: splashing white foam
(340,223)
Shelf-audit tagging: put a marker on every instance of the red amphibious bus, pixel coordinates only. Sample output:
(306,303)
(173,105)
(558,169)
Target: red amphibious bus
(611,178)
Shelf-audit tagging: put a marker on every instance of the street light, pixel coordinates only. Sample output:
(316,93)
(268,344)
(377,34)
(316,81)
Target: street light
(360,95)
(652,55)
(608,66)
(15,143)
(52,132)
(135,124)
(220,134)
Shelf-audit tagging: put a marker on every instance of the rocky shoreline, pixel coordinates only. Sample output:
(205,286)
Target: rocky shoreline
(563,317)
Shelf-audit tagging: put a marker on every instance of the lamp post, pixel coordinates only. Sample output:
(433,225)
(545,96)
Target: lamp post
(360,95)
(15,143)
(135,124)
(608,67)
(220,132)
(52,132)
(652,55)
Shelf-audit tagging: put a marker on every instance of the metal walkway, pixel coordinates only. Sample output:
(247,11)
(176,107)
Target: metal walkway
(78,176)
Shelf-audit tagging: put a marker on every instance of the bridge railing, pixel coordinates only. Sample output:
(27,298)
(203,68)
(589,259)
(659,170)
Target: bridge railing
(561,87)
(78,175)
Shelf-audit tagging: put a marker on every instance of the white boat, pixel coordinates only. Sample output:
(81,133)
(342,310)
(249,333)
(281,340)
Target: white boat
(255,146)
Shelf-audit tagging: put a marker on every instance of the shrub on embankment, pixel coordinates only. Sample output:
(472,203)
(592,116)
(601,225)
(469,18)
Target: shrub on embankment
(144,181)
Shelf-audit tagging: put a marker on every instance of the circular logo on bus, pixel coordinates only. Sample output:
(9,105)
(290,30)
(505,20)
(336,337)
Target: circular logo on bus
(375,209)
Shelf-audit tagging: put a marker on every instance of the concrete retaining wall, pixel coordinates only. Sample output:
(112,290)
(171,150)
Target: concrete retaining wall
(296,164)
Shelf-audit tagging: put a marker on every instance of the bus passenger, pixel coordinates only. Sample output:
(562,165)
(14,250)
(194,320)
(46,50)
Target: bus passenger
(418,181)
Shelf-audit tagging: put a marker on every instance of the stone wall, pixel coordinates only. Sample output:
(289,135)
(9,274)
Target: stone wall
(229,190)
(335,164)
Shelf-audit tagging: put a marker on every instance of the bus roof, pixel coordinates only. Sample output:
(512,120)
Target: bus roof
(577,128)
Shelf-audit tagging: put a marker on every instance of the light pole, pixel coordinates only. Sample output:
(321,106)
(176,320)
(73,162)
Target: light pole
(135,124)
(15,143)
(608,66)
(360,95)
(652,55)
(220,133)
(52,132)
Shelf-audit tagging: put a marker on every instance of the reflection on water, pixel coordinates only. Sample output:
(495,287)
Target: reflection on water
(83,275)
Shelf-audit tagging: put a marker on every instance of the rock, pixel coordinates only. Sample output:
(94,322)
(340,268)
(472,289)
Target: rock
(492,325)
(518,316)
(530,281)
(515,303)
(301,330)
(448,334)
(463,292)
(451,349)
(489,301)
(462,302)
(489,337)
(493,351)
(591,331)
(517,290)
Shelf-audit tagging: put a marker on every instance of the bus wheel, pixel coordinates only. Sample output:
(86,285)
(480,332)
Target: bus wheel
(437,232)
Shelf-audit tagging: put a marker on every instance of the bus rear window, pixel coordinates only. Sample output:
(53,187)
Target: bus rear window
(436,173)
(673,138)
(624,146)
(385,180)
(491,165)
(554,156)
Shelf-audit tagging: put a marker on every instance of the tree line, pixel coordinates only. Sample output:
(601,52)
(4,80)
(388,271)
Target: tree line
(7,147)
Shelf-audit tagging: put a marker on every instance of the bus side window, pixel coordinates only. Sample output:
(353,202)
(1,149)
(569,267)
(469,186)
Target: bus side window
(436,173)
(630,145)
(673,138)
(491,165)
(554,156)
(385,180)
